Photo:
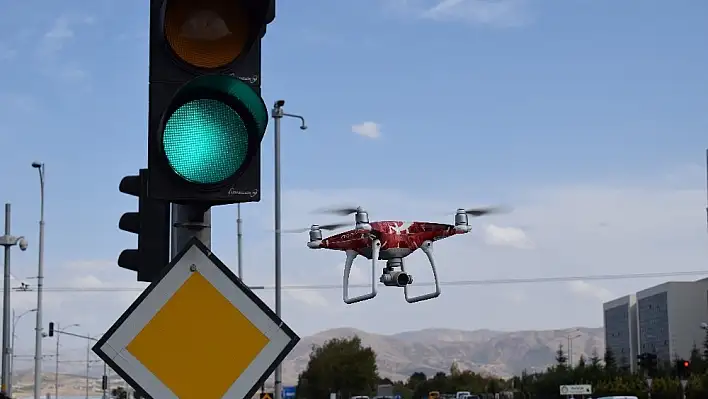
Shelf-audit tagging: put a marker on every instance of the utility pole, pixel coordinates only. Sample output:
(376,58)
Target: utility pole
(88,365)
(7,241)
(278,114)
(40,287)
(239,241)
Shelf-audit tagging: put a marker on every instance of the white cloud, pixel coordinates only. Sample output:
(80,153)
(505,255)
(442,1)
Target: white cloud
(498,13)
(371,130)
(507,236)
(583,288)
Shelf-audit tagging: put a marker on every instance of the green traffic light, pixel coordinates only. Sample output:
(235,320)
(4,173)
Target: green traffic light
(205,140)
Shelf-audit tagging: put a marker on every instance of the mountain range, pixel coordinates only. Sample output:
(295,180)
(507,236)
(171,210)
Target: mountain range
(499,353)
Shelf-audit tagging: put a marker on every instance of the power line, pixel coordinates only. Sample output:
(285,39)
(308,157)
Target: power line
(463,283)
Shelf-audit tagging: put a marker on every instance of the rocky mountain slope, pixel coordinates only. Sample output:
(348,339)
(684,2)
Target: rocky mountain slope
(432,350)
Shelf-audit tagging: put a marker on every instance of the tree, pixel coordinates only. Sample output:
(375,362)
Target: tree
(342,366)
(416,379)
(610,361)
(454,369)
(561,358)
(119,393)
(581,362)
(595,359)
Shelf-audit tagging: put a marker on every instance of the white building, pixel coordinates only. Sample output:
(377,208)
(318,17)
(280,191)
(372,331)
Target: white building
(621,330)
(664,319)
(670,316)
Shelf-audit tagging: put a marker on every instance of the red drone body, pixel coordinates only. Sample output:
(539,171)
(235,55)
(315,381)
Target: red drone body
(390,241)
(398,239)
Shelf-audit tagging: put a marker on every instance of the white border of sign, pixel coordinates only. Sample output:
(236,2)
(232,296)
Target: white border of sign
(115,345)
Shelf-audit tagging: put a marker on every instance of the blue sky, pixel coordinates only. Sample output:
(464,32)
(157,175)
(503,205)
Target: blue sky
(475,101)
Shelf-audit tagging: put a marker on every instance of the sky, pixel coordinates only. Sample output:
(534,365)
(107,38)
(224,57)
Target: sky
(587,117)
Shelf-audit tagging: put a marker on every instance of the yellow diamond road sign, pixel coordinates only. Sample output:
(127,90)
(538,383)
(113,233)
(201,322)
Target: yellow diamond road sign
(196,333)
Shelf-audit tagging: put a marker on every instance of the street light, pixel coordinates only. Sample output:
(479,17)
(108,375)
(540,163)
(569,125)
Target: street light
(8,241)
(15,320)
(571,338)
(59,330)
(278,114)
(40,284)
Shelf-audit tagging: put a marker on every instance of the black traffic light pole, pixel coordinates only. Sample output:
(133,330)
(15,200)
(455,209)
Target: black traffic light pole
(190,221)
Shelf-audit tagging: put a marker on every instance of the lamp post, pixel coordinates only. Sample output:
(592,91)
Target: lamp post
(59,331)
(15,320)
(278,114)
(8,241)
(40,286)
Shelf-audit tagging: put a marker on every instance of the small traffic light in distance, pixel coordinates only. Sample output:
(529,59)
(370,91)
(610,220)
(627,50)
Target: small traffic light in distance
(152,225)
(50,333)
(206,115)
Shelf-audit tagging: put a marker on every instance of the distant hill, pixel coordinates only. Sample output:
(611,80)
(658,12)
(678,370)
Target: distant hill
(432,350)
(399,355)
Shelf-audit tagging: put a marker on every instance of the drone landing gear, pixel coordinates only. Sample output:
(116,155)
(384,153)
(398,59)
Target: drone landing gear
(427,248)
(351,255)
(391,277)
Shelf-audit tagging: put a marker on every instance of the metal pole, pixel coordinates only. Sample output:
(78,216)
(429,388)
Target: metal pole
(56,367)
(278,114)
(88,365)
(239,241)
(40,285)
(189,221)
(12,353)
(6,307)
(105,378)
(278,260)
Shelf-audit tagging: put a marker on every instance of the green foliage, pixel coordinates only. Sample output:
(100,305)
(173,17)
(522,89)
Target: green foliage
(119,393)
(343,366)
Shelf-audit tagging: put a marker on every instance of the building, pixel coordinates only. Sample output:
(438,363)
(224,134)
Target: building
(670,316)
(664,319)
(621,331)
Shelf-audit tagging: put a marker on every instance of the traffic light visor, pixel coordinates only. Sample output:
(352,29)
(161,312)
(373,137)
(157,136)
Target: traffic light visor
(214,125)
(208,33)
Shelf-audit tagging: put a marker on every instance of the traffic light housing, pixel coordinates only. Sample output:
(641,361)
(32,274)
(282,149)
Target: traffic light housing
(683,368)
(152,225)
(51,329)
(648,362)
(206,115)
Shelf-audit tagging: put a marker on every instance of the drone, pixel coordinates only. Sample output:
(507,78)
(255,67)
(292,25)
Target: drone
(389,241)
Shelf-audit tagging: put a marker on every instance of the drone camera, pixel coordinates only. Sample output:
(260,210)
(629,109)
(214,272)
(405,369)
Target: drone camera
(396,279)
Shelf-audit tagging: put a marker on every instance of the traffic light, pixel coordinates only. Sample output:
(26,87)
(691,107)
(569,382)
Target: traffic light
(206,115)
(152,225)
(648,362)
(683,368)
(51,329)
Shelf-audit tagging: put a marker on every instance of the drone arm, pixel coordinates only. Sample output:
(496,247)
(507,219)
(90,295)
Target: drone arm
(351,255)
(427,248)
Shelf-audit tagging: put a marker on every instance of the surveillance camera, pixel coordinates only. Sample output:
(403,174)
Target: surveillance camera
(280,103)
(23,244)
(36,165)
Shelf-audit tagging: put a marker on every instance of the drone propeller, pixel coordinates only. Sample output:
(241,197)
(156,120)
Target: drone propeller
(485,211)
(344,211)
(326,227)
